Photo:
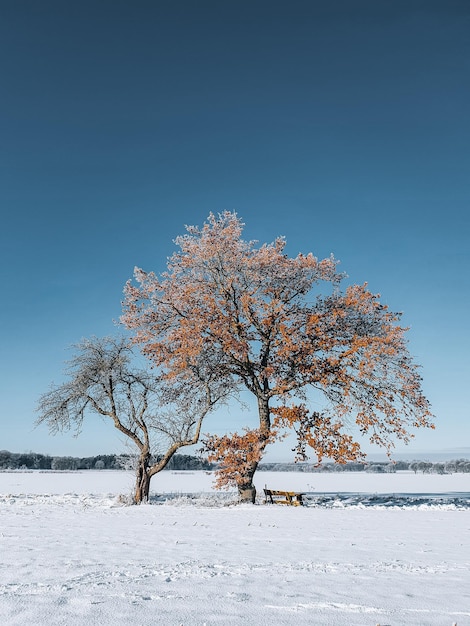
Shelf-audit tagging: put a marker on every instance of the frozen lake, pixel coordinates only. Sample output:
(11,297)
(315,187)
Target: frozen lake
(180,482)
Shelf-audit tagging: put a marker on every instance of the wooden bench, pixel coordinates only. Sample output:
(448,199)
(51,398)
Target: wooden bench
(292,498)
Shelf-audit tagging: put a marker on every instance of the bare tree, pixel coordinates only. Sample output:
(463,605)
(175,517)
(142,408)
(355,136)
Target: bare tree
(158,416)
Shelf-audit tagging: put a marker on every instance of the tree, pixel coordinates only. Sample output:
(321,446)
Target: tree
(283,329)
(159,417)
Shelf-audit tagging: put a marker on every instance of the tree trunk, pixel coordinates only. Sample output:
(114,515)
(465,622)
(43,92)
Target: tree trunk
(142,486)
(246,489)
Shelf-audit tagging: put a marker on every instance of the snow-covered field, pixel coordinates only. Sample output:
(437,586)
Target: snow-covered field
(73,554)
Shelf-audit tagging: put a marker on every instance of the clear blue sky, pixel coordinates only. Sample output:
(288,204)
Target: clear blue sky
(343,126)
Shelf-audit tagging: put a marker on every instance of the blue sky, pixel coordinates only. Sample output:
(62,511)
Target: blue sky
(343,126)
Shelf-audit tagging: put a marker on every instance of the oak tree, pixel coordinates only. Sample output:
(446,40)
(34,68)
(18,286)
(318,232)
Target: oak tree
(159,417)
(283,328)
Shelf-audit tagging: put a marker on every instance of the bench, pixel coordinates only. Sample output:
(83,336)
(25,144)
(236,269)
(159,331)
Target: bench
(293,498)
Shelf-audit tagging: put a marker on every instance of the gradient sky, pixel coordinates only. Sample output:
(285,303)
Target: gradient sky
(343,126)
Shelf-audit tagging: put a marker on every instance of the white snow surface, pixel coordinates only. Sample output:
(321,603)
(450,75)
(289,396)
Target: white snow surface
(370,552)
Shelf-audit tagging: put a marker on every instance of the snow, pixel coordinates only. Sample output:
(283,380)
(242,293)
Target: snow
(367,549)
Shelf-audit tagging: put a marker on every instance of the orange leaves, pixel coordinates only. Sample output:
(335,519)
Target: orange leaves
(237,455)
(318,431)
(223,293)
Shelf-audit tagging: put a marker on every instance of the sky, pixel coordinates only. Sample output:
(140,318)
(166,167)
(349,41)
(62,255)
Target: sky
(343,126)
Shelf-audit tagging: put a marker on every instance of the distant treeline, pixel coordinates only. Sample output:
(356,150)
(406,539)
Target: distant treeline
(35,461)
(425,467)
